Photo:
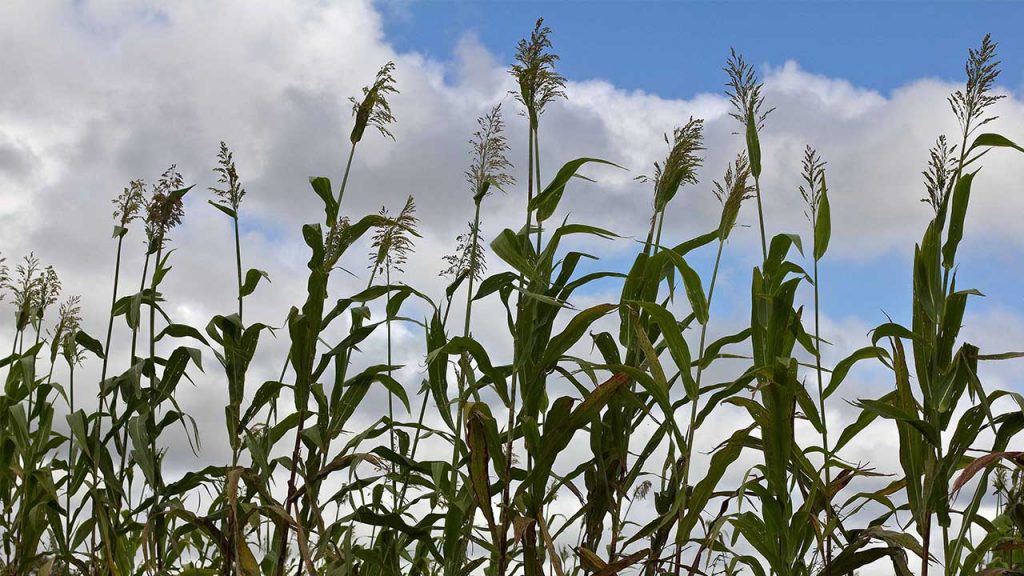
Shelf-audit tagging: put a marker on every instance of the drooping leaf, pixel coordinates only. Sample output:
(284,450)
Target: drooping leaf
(545,203)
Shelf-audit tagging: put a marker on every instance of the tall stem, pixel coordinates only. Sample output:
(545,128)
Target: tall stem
(283,547)
(827,454)
(30,459)
(344,179)
(465,366)
(529,180)
(9,505)
(134,348)
(391,396)
(297,448)
(649,242)
(536,167)
(657,238)
(926,544)
(688,449)
(472,270)
(415,445)
(935,360)
(506,516)
(106,360)
(238,265)
(236,442)
(31,390)
(153,409)
(507,476)
(71,455)
(760,218)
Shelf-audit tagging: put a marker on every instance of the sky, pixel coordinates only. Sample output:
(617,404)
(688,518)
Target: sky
(874,44)
(99,92)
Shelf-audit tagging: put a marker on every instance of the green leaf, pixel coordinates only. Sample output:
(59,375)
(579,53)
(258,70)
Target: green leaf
(225,209)
(844,366)
(510,247)
(252,278)
(692,244)
(692,284)
(753,147)
(89,343)
(477,418)
(961,196)
(657,386)
(545,203)
(864,419)
(891,330)
(890,412)
(181,331)
(1001,356)
(142,452)
(714,350)
(573,331)
(463,344)
(322,187)
(994,140)
(394,387)
(727,454)
(562,423)
(266,393)
(677,346)
(823,225)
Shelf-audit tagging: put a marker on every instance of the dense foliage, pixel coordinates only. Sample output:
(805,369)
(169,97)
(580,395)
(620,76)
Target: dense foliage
(84,491)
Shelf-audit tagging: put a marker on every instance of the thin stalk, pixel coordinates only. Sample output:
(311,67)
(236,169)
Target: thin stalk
(688,454)
(934,361)
(760,217)
(391,396)
(506,492)
(507,475)
(22,490)
(536,167)
(415,445)
(529,181)
(540,233)
(271,413)
(9,505)
(282,550)
(506,517)
(650,247)
(945,550)
(238,265)
(296,449)
(30,388)
(657,238)
(152,384)
(926,542)
(472,267)
(71,456)
(344,179)
(135,338)
(648,244)
(236,443)
(465,361)
(824,423)
(103,373)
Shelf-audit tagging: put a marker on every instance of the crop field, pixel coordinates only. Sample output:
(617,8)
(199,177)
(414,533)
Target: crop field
(577,442)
